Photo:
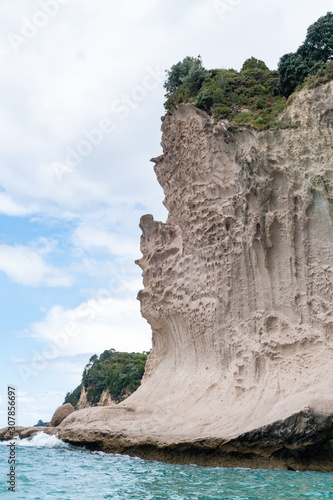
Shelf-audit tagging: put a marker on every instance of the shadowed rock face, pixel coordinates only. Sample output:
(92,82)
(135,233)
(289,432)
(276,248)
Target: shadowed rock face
(238,290)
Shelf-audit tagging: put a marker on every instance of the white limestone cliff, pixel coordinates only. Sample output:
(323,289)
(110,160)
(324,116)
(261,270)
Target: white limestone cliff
(238,283)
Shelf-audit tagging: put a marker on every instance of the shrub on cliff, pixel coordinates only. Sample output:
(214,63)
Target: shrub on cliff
(74,396)
(312,56)
(119,372)
(254,96)
(324,75)
(189,71)
(248,97)
(184,80)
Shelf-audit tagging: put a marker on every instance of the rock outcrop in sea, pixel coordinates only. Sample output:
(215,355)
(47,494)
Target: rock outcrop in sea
(238,290)
(60,414)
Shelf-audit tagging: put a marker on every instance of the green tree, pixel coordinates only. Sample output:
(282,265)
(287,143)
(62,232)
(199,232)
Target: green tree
(119,372)
(318,46)
(106,354)
(253,64)
(73,397)
(205,100)
(311,56)
(293,69)
(189,71)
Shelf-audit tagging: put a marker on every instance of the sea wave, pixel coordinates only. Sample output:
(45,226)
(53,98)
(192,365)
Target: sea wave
(77,473)
(42,440)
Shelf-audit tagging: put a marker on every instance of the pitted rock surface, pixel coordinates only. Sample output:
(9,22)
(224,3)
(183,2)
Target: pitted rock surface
(238,290)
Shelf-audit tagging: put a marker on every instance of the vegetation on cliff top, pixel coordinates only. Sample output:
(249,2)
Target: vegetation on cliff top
(256,95)
(312,56)
(118,372)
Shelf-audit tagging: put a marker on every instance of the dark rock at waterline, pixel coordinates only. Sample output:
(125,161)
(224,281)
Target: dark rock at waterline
(303,441)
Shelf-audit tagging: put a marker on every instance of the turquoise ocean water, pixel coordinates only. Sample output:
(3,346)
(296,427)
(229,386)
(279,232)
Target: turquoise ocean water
(48,468)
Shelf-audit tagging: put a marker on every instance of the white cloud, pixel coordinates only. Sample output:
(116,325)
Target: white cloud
(36,406)
(23,397)
(90,55)
(10,207)
(26,266)
(92,327)
(19,361)
(91,238)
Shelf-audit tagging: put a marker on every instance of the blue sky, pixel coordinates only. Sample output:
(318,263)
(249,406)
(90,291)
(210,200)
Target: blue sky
(81,100)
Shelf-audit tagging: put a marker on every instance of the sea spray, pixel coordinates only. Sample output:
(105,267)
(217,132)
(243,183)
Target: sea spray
(43,440)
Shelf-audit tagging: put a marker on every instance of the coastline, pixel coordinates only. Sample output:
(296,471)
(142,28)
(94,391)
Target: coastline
(237,289)
(302,442)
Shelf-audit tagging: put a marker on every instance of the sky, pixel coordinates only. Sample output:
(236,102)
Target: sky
(81,97)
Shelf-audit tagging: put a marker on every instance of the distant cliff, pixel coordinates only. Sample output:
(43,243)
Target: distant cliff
(108,379)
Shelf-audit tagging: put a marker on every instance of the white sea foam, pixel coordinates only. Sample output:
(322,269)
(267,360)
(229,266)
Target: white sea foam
(98,453)
(42,440)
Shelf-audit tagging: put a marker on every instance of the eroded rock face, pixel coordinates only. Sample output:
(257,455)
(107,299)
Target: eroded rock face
(239,281)
(238,289)
(83,400)
(104,400)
